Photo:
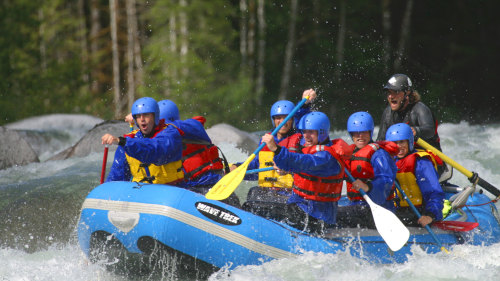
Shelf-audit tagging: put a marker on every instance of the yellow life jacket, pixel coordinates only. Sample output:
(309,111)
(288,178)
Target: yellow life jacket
(167,173)
(407,179)
(272,178)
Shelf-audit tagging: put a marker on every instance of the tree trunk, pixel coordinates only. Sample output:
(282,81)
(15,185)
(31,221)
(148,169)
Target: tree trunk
(251,37)
(405,30)
(289,50)
(84,44)
(43,46)
(339,58)
(95,28)
(139,68)
(386,35)
(183,21)
(113,12)
(130,6)
(262,52)
(243,33)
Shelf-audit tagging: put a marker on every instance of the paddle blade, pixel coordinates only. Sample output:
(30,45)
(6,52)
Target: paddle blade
(458,226)
(228,184)
(392,230)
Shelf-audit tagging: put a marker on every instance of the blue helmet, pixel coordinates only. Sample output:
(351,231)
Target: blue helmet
(316,121)
(282,107)
(400,131)
(168,110)
(146,105)
(360,122)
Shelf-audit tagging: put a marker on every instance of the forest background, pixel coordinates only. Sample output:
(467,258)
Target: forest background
(231,60)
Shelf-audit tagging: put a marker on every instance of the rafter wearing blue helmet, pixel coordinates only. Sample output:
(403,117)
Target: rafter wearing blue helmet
(418,178)
(374,170)
(150,154)
(168,110)
(318,175)
(275,185)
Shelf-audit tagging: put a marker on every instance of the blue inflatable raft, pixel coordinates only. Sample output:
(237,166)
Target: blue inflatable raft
(140,218)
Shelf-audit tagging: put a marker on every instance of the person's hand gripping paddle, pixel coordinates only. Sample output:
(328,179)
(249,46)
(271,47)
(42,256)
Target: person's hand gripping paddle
(228,184)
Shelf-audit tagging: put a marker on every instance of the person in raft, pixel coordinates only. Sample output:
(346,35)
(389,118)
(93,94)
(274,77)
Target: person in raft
(417,175)
(151,154)
(318,175)
(373,167)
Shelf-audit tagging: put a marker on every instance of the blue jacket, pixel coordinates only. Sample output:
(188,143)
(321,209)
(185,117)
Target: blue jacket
(432,192)
(321,164)
(384,170)
(164,148)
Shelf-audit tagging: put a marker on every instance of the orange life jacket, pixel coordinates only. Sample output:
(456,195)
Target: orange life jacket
(361,168)
(319,188)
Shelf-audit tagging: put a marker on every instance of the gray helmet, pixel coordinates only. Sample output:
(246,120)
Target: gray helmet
(399,82)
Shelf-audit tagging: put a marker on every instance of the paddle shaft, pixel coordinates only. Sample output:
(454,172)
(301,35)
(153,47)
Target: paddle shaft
(259,170)
(471,176)
(436,239)
(104,161)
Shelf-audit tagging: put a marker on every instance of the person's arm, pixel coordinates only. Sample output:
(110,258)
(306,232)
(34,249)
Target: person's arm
(165,147)
(120,170)
(432,193)
(193,130)
(321,164)
(384,123)
(425,127)
(384,169)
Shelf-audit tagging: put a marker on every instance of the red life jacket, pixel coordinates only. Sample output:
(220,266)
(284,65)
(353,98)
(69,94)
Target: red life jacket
(292,143)
(319,188)
(361,168)
(199,158)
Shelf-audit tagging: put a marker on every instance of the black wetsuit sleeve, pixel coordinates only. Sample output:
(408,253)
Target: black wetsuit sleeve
(385,122)
(425,126)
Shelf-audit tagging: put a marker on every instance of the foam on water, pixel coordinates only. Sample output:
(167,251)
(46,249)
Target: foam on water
(473,146)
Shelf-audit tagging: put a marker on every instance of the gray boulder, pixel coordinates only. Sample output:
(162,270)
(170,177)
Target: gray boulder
(14,149)
(225,133)
(91,142)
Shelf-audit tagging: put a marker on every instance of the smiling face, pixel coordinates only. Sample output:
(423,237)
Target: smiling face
(361,139)
(145,122)
(310,137)
(403,148)
(277,119)
(396,99)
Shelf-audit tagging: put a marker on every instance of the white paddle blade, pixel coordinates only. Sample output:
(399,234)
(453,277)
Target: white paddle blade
(392,230)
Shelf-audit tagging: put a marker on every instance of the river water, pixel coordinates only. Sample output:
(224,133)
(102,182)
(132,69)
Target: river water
(40,203)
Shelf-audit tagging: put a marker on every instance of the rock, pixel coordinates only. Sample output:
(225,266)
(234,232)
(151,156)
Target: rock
(91,142)
(14,149)
(225,133)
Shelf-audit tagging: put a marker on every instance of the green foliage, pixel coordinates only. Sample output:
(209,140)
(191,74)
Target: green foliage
(451,57)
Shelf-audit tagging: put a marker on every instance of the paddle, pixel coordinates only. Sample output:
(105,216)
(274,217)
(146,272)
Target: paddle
(228,184)
(436,239)
(104,161)
(458,226)
(259,170)
(470,175)
(392,230)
